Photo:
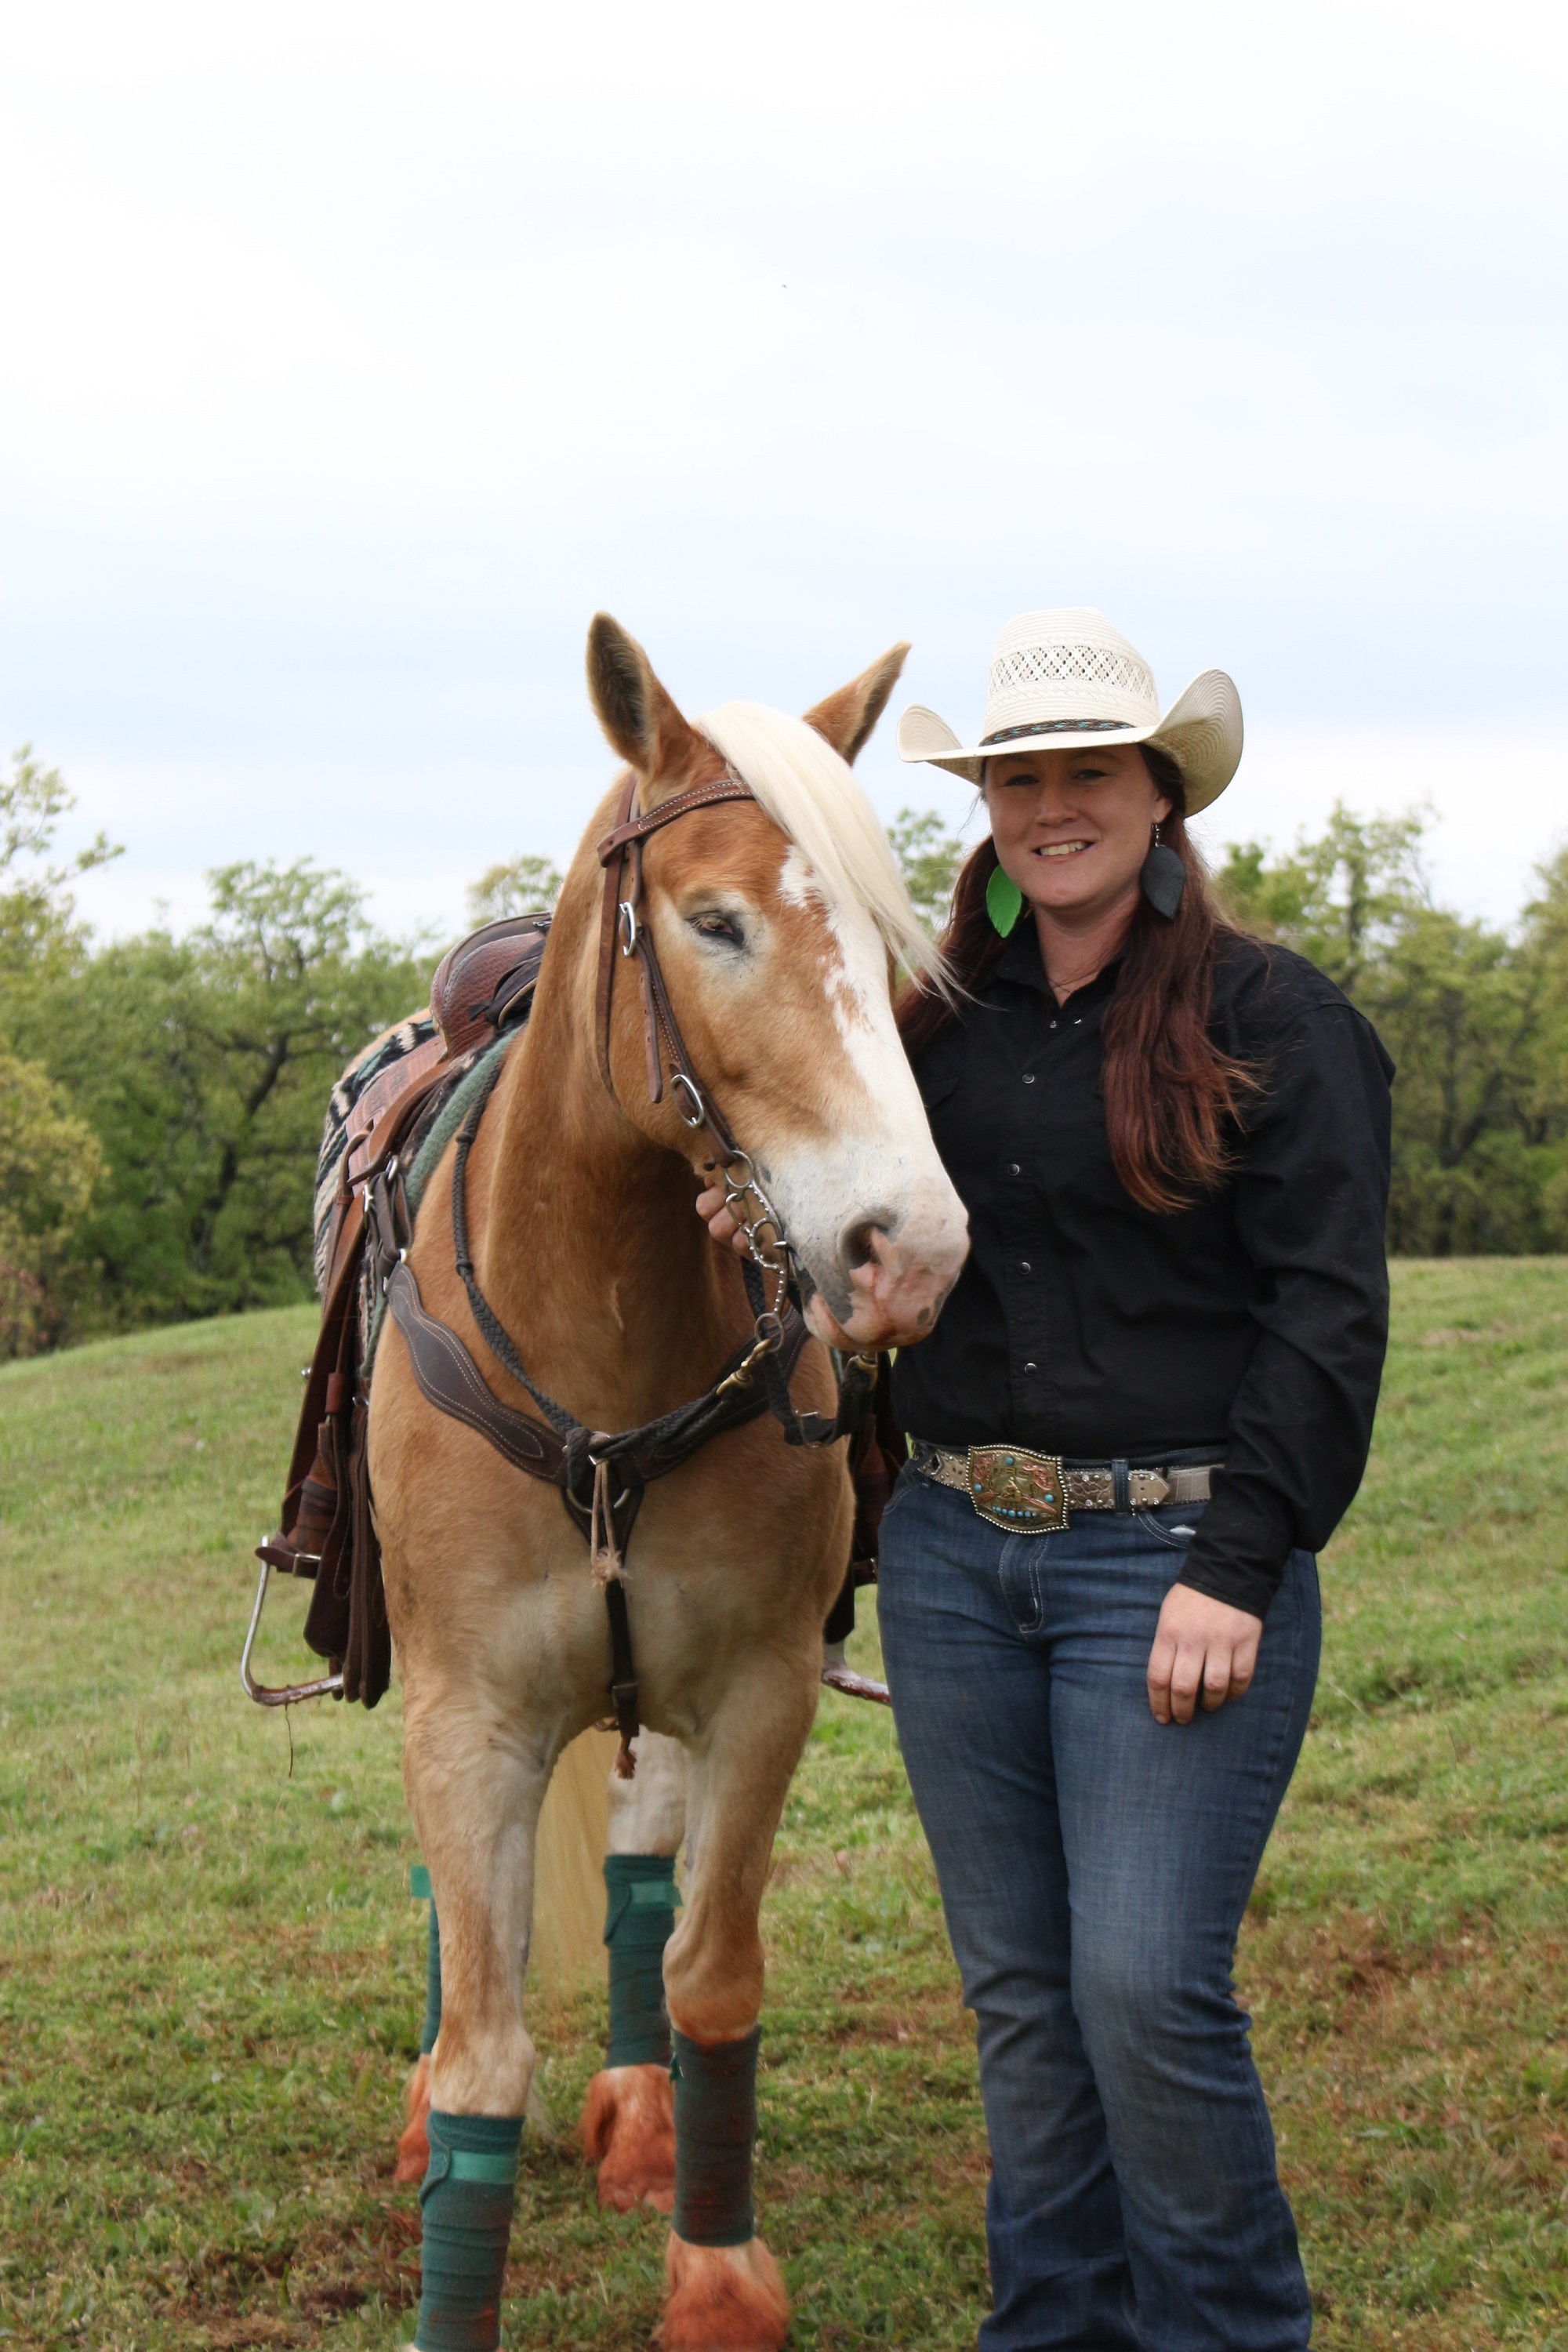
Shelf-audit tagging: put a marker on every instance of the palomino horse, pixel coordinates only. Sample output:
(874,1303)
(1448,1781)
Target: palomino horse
(777,919)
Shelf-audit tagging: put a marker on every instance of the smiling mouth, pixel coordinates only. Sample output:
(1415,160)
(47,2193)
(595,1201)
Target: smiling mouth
(1062,848)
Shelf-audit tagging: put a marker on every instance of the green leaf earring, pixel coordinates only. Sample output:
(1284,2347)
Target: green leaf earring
(1004,901)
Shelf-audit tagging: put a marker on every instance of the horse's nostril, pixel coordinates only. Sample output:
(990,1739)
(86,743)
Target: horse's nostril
(858,1243)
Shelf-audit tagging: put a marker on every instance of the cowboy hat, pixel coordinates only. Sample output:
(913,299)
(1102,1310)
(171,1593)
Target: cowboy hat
(1060,680)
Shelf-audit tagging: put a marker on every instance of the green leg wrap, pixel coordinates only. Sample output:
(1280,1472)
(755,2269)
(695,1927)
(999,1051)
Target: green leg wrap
(637,1925)
(715,2127)
(432,2025)
(419,1887)
(465,2201)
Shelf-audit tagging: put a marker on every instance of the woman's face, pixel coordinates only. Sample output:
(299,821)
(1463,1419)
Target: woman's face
(1072,828)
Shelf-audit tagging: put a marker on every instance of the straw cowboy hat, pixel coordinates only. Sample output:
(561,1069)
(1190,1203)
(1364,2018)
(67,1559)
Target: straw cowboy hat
(1060,680)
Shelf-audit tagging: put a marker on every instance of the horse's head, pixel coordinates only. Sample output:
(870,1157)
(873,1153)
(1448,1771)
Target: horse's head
(778,922)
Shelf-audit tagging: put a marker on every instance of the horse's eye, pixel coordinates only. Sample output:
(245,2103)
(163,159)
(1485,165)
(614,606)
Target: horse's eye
(718,927)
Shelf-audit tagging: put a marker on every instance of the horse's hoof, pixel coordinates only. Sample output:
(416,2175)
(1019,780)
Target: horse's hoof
(628,2131)
(414,2148)
(724,2299)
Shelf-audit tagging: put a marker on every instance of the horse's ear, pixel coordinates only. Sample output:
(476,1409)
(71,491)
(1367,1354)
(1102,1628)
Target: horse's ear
(637,714)
(848,717)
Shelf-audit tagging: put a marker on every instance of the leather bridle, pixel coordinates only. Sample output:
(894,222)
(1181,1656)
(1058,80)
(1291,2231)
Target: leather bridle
(602,1475)
(620,855)
(623,936)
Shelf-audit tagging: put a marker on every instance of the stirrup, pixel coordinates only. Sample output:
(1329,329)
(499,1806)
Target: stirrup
(840,1677)
(289,1693)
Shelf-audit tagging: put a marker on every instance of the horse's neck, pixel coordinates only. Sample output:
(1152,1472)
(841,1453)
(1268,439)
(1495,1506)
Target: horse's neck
(587,1243)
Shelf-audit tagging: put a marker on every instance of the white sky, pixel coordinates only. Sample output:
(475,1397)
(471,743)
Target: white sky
(350,358)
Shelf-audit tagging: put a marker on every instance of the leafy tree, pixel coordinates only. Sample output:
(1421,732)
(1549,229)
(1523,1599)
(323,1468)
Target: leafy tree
(524,885)
(1544,950)
(928,858)
(1341,899)
(50,1163)
(32,801)
(291,981)
(1470,1017)
(1455,1007)
(38,927)
(205,1064)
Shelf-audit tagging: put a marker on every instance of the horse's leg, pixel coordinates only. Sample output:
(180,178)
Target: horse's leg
(414,2148)
(725,2294)
(574,1823)
(474,1784)
(629,2116)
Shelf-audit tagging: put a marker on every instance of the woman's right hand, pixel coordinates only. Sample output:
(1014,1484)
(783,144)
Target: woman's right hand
(719,1222)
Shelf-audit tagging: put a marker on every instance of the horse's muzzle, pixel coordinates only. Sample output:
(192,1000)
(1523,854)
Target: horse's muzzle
(890,1285)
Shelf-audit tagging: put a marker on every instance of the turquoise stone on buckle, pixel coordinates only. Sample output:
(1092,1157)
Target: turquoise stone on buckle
(1022,1493)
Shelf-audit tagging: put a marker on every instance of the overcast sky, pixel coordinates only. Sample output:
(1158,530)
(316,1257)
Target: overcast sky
(351,357)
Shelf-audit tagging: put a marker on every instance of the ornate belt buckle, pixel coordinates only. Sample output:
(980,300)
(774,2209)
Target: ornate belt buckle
(1023,1494)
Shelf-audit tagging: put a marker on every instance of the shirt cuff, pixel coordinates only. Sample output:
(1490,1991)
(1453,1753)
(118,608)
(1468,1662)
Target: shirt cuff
(1244,1540)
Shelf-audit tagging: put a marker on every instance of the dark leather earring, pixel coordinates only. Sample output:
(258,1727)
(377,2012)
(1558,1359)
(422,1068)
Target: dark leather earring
(1163,878)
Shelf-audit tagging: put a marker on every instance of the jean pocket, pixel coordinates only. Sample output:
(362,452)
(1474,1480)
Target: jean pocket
(1183,1525)
(903,1487)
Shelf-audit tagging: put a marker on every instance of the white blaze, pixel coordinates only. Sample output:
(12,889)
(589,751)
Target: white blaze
(880,1168)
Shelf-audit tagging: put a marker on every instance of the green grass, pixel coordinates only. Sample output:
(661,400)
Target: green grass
(211,1978)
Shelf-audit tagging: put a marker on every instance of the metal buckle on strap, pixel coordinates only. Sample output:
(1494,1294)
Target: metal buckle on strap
(687,1096)
(1032,1494)
(1020,1492)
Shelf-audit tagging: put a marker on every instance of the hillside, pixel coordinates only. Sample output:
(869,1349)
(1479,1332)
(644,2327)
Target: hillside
(210,1975)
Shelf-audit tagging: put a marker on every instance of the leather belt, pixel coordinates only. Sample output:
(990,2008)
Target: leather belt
(1026,1493)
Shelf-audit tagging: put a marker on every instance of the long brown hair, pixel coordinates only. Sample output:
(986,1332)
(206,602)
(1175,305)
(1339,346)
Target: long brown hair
(1171,1096)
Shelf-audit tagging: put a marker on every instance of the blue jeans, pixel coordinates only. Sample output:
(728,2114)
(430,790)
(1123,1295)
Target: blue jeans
(1094,1869)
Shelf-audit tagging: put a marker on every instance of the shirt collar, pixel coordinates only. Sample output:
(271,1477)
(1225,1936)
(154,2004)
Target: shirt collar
(1019,963)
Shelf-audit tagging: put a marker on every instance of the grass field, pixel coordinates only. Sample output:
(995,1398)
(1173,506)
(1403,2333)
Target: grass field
(212,1977)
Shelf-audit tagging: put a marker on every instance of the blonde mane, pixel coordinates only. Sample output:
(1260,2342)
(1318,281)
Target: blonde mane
(812,796)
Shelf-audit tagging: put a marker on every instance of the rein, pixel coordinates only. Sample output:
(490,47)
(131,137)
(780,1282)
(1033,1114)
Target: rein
(602,1475)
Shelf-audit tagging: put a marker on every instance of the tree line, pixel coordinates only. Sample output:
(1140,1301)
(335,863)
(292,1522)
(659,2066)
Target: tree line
(161,1096)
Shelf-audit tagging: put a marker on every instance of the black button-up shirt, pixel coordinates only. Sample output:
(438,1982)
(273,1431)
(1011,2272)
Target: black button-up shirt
(1247,1328)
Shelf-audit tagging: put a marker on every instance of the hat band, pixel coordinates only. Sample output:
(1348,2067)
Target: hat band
(1058,727)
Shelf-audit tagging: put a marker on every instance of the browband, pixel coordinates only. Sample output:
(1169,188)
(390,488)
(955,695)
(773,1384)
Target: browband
(638,828)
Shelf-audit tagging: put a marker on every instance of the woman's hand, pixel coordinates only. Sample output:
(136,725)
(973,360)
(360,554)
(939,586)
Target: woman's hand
(1200,1646)
(720,1223)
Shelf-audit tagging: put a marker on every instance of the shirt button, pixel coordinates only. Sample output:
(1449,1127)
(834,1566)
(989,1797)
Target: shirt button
(1014,1169)
(1031,1367)
(1028,1078)
(1025,1266)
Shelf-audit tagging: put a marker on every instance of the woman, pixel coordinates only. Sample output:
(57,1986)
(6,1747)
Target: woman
(1145,1406)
